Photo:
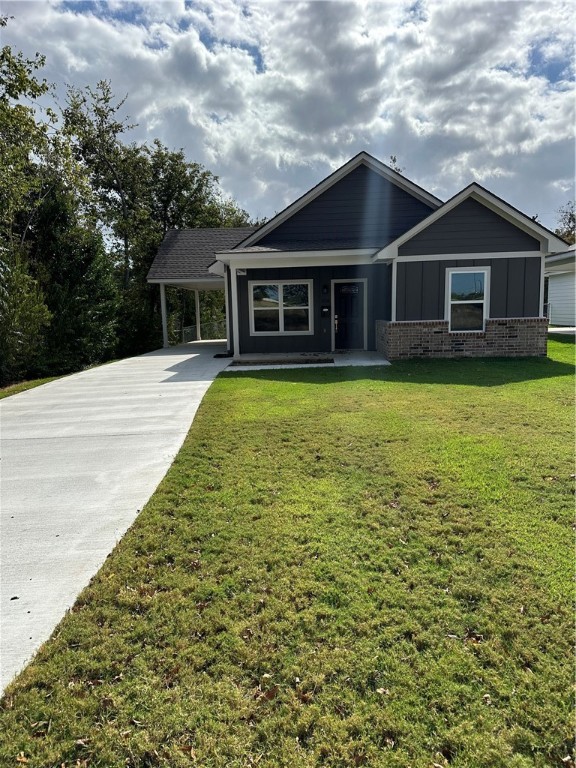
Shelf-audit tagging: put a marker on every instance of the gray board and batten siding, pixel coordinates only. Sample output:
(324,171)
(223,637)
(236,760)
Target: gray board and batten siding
(362,210)
(470,227)
(378,305)
(514,287)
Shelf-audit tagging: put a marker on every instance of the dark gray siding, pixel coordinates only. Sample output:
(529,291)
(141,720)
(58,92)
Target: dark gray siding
(361,210)
(378,297)
(514,287)
(469,228)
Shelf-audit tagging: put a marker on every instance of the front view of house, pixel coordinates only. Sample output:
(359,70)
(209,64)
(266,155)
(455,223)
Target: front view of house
(368,260)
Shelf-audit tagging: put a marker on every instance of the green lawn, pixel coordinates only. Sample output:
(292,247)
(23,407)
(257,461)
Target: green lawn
(343,567)
(22,386)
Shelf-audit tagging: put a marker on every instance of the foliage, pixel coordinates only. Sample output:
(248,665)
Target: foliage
(343,567)
(78,280)
(82,213)
(24,315)
(567,222)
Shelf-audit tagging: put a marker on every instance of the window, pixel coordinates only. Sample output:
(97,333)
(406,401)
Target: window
(281,307)
(467,290)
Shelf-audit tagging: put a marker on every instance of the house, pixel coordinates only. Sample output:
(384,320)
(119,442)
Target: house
(369,260)
(561,283)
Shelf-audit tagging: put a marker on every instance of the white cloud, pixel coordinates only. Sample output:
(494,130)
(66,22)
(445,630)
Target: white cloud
(273,96)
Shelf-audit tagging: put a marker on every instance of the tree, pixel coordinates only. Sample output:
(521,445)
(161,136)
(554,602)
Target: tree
(566,228)
(23,312)
(393,163)
(70,263)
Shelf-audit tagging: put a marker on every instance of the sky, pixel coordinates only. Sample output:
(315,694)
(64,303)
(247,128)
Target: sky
(273,96)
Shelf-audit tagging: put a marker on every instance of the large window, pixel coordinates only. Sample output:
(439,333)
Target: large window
(280,307)
(467,290)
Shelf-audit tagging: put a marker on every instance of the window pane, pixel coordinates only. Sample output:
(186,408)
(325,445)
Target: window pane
(266,320)
(295,295)
(467,317)
(265,295)
(467,286)
(296,320)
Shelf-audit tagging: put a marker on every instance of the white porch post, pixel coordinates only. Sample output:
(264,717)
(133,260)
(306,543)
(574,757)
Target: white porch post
(164,316)
(235,329)
(227,309)
(197,308)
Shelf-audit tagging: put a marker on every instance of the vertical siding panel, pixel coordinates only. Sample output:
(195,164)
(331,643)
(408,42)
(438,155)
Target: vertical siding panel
(413,290)
(532,288)
(430,290)
(515,301)
(498,287)
(401,292)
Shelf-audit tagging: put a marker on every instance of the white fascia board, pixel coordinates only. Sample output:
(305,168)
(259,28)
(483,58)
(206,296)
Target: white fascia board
(461,256)
(296,258)
(362,159)
(200,285)
(548,241)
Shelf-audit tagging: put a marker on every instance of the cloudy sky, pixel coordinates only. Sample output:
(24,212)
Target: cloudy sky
(272,96)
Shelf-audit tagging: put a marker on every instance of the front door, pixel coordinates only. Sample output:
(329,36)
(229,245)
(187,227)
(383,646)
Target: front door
(349,314)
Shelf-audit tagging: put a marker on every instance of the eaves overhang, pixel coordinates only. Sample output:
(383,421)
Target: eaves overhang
(256,260)
(549,242)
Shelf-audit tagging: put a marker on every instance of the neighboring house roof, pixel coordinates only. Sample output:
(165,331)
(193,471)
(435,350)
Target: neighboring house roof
(564,261)
(549,240)
(363,159)
(186,254)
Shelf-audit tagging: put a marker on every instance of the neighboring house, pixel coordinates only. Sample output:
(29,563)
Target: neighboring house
(560,276)
(369,260)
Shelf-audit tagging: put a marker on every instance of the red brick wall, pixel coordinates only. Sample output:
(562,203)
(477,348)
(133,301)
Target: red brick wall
(503,337)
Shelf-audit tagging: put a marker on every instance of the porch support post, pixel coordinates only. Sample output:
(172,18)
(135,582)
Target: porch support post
(394,283)
(197,308)
(164,315)
(227,310)
(235,330)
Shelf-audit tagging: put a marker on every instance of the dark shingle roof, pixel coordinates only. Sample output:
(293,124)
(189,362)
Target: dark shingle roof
(186,254)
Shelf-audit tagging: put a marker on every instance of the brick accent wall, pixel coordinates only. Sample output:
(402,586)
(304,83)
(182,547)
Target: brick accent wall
(503,337)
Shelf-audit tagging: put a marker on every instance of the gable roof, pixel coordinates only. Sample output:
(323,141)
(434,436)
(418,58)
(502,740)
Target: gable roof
(361,159)
(186,254)
(547,238)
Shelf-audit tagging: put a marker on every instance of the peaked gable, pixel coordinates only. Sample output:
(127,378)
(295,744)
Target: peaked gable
(470,227)
(362,204)
(473,221)
(362,210)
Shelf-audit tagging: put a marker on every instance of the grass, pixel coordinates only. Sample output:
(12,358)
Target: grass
(22,386)
(343,567)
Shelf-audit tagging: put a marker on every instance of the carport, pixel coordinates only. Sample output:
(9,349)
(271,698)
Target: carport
(183,260)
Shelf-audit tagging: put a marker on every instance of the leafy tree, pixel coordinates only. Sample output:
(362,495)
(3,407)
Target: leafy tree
(23,312)
(567,222)
(69,260)
(141,192)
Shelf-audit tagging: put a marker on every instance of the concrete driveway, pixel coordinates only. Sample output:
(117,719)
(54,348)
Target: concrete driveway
(80,458)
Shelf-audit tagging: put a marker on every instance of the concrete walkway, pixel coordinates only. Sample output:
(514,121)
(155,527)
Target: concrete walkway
(80,458)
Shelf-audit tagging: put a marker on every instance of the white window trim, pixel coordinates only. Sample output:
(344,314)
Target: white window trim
(486,301)
(281,283)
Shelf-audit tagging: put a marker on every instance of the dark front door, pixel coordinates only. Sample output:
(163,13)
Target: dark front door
(349,315)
